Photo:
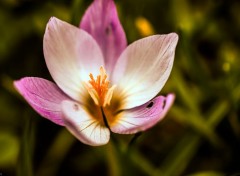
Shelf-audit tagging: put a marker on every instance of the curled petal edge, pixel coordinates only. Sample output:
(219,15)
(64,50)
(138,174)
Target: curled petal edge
(143,117)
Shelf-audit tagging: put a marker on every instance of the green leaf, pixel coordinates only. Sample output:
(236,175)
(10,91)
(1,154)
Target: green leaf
(207,173)
(9,149)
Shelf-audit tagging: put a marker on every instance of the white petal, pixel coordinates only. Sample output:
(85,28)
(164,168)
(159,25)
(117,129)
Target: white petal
(71,54)
(143,68)
(84,127)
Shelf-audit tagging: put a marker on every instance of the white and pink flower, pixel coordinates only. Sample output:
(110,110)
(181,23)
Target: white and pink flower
(102,85)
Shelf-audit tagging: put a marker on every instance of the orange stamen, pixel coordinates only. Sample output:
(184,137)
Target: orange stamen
(99,88)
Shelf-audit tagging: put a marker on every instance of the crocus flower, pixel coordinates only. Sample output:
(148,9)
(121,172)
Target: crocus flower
(102,85)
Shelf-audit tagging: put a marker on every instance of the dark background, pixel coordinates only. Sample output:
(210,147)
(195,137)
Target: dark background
(200,136)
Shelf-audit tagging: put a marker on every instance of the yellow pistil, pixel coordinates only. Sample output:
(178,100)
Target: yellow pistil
(99,88)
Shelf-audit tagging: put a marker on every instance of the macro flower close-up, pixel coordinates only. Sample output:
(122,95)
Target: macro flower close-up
(101,84)
(119,88)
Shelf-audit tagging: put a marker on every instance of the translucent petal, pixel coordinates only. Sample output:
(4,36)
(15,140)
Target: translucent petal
(143,117)
(83,126)
(71,54)
(44,96)
(101,21)
(143,69)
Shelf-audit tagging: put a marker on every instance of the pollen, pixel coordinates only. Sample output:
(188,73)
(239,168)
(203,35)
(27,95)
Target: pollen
(99,88)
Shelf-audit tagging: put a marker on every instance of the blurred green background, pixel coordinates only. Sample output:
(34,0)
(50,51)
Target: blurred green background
(200,136)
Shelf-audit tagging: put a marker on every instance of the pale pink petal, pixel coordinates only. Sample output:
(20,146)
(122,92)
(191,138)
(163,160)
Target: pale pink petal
(143,117)
(44,96)
(84,127)
(143,68)
(101,21)
(71,54)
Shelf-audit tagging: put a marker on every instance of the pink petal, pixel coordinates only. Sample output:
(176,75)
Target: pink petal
(84,127)
(101,21)
(71,54)
(143,117)
(143,69)
(44,97)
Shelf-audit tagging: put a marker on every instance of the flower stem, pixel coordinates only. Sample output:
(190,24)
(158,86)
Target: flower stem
(105,119)
(134,139)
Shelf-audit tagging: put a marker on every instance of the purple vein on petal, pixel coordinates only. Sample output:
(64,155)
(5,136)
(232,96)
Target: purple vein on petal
(44,96)
(102,22)
(141,118)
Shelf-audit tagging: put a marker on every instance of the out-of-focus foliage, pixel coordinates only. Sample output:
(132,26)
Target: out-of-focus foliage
(199,137)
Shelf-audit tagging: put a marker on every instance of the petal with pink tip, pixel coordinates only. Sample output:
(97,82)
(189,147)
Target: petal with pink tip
(71,54)
(143,68)
(101,21)
(84,127)
(44,96)
(143,117)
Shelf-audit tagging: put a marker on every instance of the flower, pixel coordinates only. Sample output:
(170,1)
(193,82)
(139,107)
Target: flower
(102,85)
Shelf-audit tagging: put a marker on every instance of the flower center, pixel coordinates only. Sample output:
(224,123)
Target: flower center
(99,88)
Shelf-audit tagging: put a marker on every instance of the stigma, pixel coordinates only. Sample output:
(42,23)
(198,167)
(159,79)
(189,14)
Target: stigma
(99,88)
